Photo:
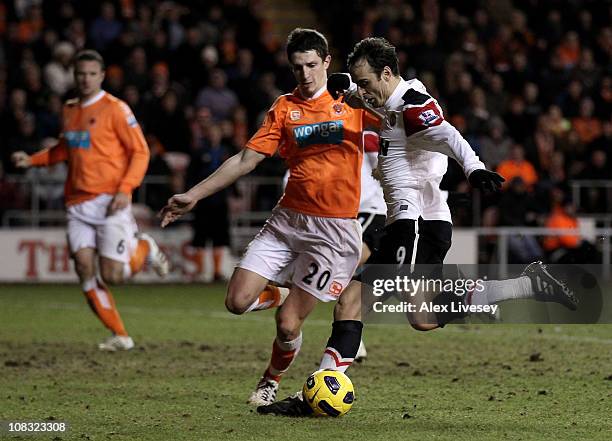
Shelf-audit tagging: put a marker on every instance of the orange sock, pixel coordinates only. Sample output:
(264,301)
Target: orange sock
(283,354)
(268,298)
(217,260)
(102,302)
(139,257)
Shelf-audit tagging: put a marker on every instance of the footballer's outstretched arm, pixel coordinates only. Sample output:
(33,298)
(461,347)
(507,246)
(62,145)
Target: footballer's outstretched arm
(238,165)
(43,158)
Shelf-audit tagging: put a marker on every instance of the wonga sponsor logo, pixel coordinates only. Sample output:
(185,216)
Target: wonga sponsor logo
(78,139)
(328,132)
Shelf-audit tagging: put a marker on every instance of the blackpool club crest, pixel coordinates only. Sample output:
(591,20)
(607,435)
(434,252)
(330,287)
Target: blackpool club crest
(338,108)
(294,115)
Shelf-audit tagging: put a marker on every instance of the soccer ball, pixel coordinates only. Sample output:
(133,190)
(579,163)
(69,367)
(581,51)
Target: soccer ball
(329,393)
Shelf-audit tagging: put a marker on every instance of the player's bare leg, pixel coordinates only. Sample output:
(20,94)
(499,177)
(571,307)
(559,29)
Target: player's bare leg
(112,271)
(85,264)
(348,306)
(101,301)
(243,290)
(289,319)
(362,353)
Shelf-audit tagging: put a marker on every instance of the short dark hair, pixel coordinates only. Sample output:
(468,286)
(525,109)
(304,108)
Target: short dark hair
(378,52)
(89,55)
(302,40)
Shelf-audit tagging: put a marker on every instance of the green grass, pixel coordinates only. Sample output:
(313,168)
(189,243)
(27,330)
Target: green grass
(195,365)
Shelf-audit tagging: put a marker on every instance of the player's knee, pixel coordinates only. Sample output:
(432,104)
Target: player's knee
(288,327)
(234,305)
(347,311)
(111,276)
(85,270)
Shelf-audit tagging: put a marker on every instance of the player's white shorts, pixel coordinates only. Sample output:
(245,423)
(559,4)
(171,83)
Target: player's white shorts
(89,227)
(322,253)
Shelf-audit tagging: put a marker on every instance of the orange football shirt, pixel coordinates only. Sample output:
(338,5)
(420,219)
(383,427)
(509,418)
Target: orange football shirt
(322,141)
(104,146)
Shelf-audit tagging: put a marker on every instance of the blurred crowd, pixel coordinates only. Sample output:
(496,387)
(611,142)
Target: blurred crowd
(527,82)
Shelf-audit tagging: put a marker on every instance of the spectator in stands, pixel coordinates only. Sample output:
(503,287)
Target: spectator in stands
(495,144)
(49,119)
(157,193)
(105,28)
(518,207)
(58,73)
(217,96)
(569,101)
(567,247)
(184,56)
(519,124)
(477,116)
(26,138)
(594,199)
(211,222)
(497,99)
(585,124)
(569,50)
(136,70)
(561,216)
(113,81)
(517,166)
(531,97)
(559,125)
(167,121)
(132,97)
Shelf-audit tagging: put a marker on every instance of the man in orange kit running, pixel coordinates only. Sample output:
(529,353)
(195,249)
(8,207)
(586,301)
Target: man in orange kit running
(107,159)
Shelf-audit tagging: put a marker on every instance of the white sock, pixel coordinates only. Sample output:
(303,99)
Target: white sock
(496,291)
(89,284)
(127,271)
(293,345)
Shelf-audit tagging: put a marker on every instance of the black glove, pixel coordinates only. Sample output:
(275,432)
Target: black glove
(486,180)
(338,83)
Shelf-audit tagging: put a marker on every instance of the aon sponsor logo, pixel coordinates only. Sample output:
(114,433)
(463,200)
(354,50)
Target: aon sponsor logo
(328,132)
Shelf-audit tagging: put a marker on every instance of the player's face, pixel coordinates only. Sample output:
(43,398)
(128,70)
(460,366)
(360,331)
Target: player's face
(374,89)
(310,71)
(88,76)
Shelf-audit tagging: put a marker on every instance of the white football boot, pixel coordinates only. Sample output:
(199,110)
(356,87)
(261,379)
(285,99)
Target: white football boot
(362,354)
(264,393)
(156,258)
(117,343)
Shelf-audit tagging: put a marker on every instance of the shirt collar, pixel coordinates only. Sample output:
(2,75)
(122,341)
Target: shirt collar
(399,91)
(94,99)
(316,95)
